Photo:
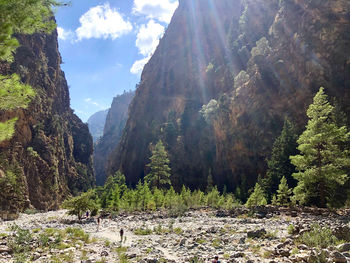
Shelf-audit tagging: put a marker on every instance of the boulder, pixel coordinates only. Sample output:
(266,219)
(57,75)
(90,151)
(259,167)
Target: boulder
(256,233)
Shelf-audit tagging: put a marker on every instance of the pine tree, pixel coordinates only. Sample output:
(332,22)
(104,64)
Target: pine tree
(322,161)
(279,165)
(283,192)
(257,198)
(159,175)
(25,17)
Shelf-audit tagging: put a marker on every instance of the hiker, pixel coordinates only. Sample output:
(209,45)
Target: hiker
(98,223)
(121,232)
(87,214)
(216,260)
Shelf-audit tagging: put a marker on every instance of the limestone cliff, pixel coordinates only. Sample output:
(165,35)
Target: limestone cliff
(114,125)
(49,156)
(223,78)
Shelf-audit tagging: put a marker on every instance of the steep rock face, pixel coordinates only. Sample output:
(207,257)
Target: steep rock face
(172,91)
(287,49)
(96,124)
(49,156)
(114,125)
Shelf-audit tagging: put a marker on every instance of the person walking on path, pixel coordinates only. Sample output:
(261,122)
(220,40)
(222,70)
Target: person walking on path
(98,223)
(121,232)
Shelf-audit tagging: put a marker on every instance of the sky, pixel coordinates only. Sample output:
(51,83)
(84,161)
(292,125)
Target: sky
(104,46)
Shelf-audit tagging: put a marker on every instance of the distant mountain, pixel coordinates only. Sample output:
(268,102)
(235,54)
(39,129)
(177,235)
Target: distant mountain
(115,123)
(97,123)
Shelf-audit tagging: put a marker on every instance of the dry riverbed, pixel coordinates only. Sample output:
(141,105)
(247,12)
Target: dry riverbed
(195,237)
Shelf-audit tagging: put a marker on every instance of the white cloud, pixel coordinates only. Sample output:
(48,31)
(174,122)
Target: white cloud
(138,65)
(64,34)
(161,10)
(147,42)
(148,37)
(91,102)
(102,21)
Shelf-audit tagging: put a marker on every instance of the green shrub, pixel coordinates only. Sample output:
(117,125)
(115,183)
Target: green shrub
(291,229)
(319,237)
(142,231)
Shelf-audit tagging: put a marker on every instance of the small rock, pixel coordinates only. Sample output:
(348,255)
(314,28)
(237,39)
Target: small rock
(338,257)
(344,247)
(303,247)
(182,242)
(256,233)
(238,255)
(104,253)
(5,249)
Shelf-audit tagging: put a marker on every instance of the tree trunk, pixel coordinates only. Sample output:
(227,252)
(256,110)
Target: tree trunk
(321,186)
(322,193)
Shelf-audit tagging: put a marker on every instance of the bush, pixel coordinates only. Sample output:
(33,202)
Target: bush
(142,231)
(319,237)
(290,229)
(80,204)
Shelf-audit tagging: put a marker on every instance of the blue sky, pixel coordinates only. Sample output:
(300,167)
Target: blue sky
(104,46)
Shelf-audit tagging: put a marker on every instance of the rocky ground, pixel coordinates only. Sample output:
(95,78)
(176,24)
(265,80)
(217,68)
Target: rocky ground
(195,237)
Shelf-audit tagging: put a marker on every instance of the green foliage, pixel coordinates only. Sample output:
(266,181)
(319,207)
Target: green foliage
(290,229)
(241,79)
(14,94)
(274,200)
(283,192)
(23,16)
(7,129)
(114,194)
(20,243)
(159,175)
(210,110)
(142,231)
(262,48)
(279,165)
(323,162)
(319,237)
(80,204)
(257,198)
(32,152)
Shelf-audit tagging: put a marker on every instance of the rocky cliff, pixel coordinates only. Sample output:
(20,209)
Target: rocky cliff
(114,125)
(96,124)
(49,156)
(223,78)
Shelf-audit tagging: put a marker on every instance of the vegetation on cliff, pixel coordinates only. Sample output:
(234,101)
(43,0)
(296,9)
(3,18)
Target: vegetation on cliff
(230,81)
(20,17)
(47,157)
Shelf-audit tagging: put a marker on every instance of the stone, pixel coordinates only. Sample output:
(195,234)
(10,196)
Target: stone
(256,233)
(182,242)
(238,255)
(4,249)
(303,247)
(104,253)
(344,247)
(338,257)
(36,255)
